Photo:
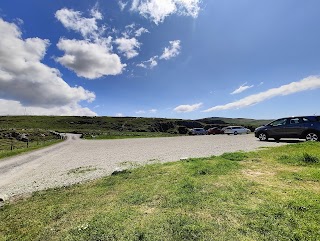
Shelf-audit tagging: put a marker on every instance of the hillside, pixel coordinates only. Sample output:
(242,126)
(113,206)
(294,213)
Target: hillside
(135,124)
(119,124)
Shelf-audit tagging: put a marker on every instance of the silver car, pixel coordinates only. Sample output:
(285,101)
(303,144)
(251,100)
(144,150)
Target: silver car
(198,131)
(235,130)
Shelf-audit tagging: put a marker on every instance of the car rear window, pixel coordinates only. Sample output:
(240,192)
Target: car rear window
(318,118)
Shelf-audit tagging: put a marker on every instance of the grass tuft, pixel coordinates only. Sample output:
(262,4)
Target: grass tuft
(234,156)
(307,158)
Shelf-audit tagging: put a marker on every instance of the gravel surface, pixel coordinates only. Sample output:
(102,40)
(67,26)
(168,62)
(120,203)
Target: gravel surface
(76,160)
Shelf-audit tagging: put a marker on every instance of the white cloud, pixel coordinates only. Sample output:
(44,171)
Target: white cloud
(92,57)
(131,30)
(187,108)
(11,107)
(140,112)
(73,20)
(309,83)
(128,47)
(149,64)
(24,79)
(172,51)
(122,5)
(119,115)
(141,31)
(241,89)
(153,111)
(89,60)
(169,52)
(158,10)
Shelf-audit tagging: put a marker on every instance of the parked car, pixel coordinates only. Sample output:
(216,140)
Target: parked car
(198,131)
(215,130)
(235,130)
(302,127)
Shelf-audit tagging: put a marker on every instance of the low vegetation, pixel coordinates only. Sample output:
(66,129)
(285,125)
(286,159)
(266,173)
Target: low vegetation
(120,127)
(16,141)
(271,194)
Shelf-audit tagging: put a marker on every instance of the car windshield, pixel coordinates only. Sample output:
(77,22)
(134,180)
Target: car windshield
(278,122)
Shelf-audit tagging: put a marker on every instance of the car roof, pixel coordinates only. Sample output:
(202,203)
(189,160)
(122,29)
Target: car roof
(300,116)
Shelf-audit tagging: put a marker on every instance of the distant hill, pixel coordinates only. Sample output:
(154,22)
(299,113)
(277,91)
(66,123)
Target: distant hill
(128,124)
(234,121)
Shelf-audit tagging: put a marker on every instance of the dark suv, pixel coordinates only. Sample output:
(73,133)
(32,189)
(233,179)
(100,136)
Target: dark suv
(302,127)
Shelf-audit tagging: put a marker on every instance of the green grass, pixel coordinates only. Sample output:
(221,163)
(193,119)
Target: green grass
(10,146)
(271,194)
(23,148)
(126,135)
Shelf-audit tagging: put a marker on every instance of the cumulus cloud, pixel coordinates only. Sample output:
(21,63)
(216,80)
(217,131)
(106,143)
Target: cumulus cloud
(187,108)
(169,52)
(172,51)
(24,79)
(309,83)
(158,10)
(141,31)
(241,89)
(73,20)
(131,30)
(12,107)
(122,5)
(149,64)
(128,47)
(119,115)
(92,57)
(89,60)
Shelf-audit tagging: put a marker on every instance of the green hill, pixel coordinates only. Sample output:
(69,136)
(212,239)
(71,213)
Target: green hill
(119,124)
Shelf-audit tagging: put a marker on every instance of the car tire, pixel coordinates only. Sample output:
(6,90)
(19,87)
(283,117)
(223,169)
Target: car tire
(312,136)
(263,136)
(235,133)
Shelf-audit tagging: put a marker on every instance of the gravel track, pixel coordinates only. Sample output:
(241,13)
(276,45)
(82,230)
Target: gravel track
(76,160)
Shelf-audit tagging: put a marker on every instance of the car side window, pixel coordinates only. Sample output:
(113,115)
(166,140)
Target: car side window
(279,122)
(294,121)
(304,119)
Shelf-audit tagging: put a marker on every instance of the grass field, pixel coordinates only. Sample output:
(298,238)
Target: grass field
(10,146)
(22,147)
(126,134)
(271,194)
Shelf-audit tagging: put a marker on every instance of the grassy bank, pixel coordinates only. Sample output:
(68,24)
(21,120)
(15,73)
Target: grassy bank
(23,148)
(272,194)
(126,135)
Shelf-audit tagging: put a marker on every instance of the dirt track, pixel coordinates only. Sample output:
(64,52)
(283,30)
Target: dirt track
(77,160)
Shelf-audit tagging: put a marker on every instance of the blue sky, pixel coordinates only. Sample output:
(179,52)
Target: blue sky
(160,58)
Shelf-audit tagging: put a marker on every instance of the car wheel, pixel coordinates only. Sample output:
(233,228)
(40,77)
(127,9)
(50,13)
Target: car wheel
(235,133)
(311,136)
(263,136)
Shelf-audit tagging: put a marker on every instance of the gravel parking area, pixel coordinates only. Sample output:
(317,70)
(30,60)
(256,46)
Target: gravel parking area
(77,160)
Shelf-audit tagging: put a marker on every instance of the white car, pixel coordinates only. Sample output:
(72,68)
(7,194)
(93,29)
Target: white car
(235,130)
